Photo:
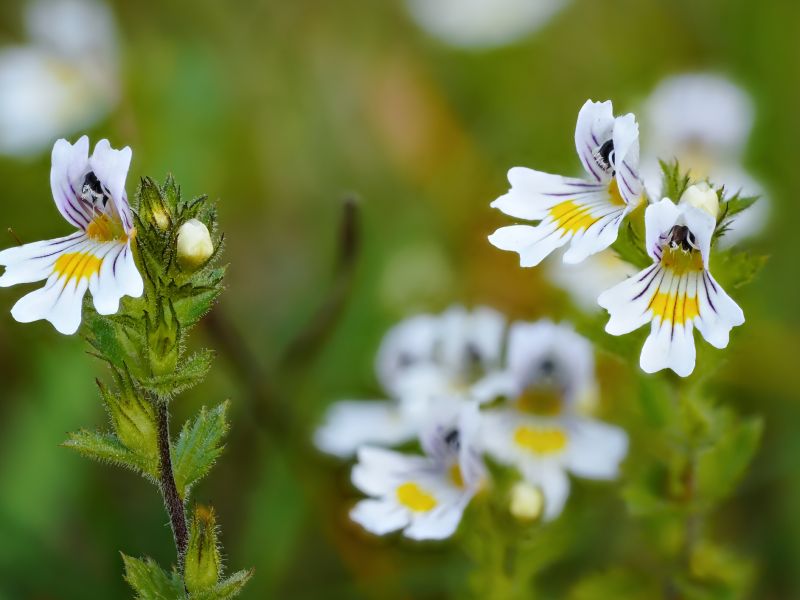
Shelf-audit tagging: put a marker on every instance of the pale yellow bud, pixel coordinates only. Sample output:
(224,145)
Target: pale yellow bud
(527,501)
(702,196)
(194,244)
(161,219)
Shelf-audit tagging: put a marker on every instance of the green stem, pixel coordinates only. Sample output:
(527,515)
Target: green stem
(172,499)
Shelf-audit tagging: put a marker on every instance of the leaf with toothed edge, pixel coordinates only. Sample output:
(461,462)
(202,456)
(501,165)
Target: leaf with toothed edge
(106,448)
(198,446)
(150,581)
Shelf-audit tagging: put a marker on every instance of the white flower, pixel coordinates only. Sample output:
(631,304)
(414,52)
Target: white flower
(482,23)
(423,496)
(537,430)
(424,363)
(194,244)
(676,293)
(585,281)
(704,120)
(544,449)
(62,81)
(89,191)
(584,213)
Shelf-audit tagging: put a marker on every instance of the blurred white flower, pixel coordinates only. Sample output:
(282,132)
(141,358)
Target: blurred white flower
(585,281)
(537,430)
(89,191)
(426,364)
(423,496)
(527,501)
(704,120)
(482,23)
(586,214)
(676,293)
(64,80)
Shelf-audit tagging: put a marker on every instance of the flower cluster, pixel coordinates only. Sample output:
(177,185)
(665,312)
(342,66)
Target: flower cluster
(677,292)
(467,384)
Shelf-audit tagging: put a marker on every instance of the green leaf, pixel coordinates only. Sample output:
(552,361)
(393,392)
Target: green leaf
(187,375)
(675,182)
(198,447)
(106,448)
(735,269)
(151,582)
(233,585)
(720,466)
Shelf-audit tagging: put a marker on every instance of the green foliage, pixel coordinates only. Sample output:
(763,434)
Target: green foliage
(674,180)
(729,208)
(202,565)
(198,447)
(151,582)
(144,346)
(616,583)
(106,448)
(721,465)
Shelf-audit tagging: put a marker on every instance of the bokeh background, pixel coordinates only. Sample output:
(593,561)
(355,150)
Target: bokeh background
(282,110)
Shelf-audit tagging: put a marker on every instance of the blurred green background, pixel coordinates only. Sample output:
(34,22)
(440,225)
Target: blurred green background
(281,110)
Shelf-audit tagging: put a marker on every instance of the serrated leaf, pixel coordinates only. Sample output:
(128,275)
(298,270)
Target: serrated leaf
(232,586)
(720,466)
(188,374)
(735,269)
(151,582)
(191,308)
(106,448)
(198,447)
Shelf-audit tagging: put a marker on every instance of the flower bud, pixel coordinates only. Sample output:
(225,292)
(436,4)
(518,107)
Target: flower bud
(160,218)
(527,501)
(194,244)
(202,562)
(133,419)
(702,196)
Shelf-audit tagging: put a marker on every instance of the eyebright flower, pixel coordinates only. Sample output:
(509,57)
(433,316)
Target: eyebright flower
(537,430)
(425,363)
(584,213)
(89,192)
(704,119)
(676,294)
(423,496)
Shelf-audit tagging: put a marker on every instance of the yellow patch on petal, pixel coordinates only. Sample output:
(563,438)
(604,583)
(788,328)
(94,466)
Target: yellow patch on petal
(540,440)
(680,261)
(679,309)
(77,265)
(614,193)
(571,216)
(455,475)
(415,498)
(104,229)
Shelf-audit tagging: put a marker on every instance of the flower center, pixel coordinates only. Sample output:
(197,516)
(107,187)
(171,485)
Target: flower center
(455,475)
(105,229)
(540,401)
(77,265)
(615,195)
(415,498)
(540,440)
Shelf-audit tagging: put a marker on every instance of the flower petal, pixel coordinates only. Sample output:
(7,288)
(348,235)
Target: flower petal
(379,471)
(118,277)
(111,167)
(596,449)
(626,165)
(627,303)
(351,424)
(380,516)
(34,261)
(439,523)
(555,486)
(718,312)
(594,127)
(70,163)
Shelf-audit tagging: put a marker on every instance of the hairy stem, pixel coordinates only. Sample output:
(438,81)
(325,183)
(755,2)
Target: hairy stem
(172,500)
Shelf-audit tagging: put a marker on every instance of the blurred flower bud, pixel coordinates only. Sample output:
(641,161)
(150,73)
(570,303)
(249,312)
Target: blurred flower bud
(194,244)
(587,400)
(702,196)
(202,562)
(527,501)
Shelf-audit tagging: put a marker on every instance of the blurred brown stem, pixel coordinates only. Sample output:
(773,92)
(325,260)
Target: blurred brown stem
(172,500)
(270,411)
